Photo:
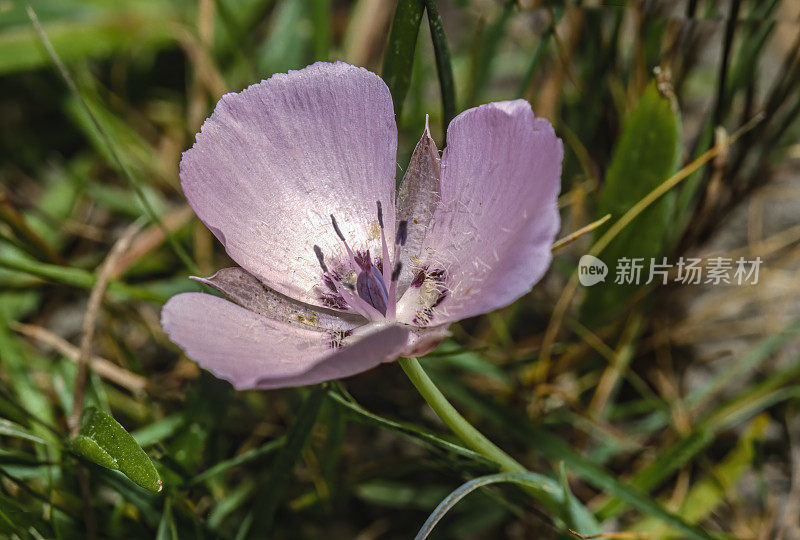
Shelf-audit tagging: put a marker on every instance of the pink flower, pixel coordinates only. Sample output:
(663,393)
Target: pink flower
(295,176)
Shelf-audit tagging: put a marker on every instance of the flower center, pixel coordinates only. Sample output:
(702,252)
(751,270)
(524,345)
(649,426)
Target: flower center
(370,289)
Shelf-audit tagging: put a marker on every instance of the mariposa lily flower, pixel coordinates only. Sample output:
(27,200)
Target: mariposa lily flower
(295,176)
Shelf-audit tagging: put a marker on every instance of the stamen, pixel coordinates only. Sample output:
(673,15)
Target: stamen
(396,272)
(402,233)
(392,307)
(336,228)
(346,245)
(386,266)
(320,258)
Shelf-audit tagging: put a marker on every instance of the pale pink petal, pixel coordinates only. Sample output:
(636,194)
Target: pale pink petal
(417,201)
(365,349)
(253,351)
(244,289)
(424,340)
(274,161)
(498,218)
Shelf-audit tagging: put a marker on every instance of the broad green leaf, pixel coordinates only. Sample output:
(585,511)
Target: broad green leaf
(91,450)
(646,154)
(104,441)
(398,59)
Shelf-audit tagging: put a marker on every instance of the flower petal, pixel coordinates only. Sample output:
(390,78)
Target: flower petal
(253,351)
(246,290)
(417,201)
(274,161)
(498,218)
(376,345)
(424,340)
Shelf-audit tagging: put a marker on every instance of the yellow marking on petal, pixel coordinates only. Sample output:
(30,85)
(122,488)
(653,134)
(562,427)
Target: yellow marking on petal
(374,230)
(308,320)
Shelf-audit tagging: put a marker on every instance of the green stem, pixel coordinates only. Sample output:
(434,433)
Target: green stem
(470,436)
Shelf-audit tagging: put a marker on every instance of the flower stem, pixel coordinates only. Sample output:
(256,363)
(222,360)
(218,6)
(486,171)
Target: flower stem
(470,436)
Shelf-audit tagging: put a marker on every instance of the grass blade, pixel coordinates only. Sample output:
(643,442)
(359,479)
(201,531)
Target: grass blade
(443,65)
(399,57)
(283,466)
(77,278)
(556,449)
(117,161)
(545,489)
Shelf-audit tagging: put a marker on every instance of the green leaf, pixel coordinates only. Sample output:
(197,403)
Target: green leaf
(321,18)
(16,521)
(486,52)
(158,430)
(646,154)
(536,59)
(287,45)
(166,528)
(76,277)
(12,429)
(411,431)
(444,68)
(251,455)
(400,495)
(83,30)
(104,441)
(399,57)
(546,490)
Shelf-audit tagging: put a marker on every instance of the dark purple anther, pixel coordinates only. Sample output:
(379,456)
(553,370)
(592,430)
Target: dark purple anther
(336,228)
(320,258)
(402,233)
(372,289)
(396,272)
(419,278)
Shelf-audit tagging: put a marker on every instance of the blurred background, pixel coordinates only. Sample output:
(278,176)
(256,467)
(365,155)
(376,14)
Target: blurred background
(649,410)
